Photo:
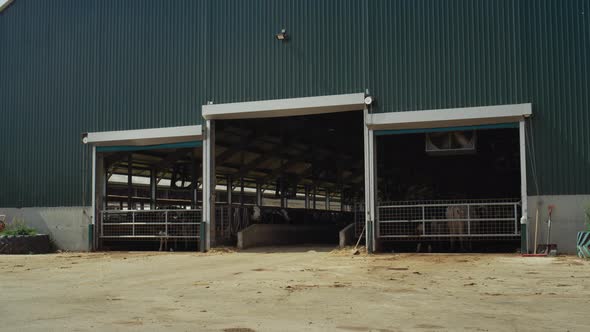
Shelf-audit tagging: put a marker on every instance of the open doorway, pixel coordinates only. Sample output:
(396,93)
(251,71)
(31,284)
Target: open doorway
(149,197)
(288,180)
(450,190)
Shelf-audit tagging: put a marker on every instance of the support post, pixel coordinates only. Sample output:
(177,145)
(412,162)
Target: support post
(523,189)
(282,192)
(230,200)
(370,184)
(208,220)
(94,185)
(195,179)
(241,191)
(315,192)
(130,181)
(105,184)
(153,187)
(97,201)
(307,197)
(327,200)
(258,193)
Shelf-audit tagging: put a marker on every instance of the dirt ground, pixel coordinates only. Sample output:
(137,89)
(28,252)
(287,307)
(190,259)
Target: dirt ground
(296,289)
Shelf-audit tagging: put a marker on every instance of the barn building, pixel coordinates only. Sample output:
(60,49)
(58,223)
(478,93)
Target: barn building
(415,125)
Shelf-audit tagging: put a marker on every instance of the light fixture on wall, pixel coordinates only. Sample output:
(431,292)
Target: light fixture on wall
(282,35)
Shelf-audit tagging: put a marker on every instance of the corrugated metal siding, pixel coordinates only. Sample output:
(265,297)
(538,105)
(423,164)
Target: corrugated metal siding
(555,65)
(71,66)
(323,56)
(431,54)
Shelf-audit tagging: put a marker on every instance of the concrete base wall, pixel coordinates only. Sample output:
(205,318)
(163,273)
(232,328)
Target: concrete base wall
(566,221)
(259,235)
(66,226)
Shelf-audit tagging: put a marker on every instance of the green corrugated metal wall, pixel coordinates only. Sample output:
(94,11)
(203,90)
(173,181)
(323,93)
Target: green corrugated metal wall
(555,66)
(70,66)
(324,55)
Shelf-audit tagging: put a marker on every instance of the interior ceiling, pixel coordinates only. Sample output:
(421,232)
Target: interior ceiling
(167,162)
(493,171)
(326,150)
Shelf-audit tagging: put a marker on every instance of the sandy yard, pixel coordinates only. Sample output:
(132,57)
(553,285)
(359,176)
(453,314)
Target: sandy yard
(303,289)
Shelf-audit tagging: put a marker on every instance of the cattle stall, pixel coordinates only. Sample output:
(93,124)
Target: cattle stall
(452,190)
(150,197)
(304,172)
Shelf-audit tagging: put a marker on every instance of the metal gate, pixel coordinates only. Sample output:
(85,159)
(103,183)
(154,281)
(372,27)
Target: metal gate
(444,219)
(230,220)
(150,224)
(358,210)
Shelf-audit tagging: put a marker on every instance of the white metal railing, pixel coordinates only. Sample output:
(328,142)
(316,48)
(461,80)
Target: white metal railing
(458,218)
(146,224)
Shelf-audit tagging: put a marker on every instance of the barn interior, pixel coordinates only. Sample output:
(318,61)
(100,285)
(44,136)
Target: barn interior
(151,198)
(291,180)
(449,190)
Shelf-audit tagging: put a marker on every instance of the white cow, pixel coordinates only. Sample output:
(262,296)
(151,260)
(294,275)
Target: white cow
(456,224)
(256,214)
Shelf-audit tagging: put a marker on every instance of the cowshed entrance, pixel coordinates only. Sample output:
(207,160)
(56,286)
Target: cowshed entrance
(285,172)
(450,180)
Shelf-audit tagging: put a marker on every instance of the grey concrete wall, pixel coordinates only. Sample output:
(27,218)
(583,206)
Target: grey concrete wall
(346,236)
(566,221)
(269,235)
(66,226)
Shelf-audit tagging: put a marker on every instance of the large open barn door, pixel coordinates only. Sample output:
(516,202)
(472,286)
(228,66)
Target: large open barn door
(440,142)
(276,159)
(146,188)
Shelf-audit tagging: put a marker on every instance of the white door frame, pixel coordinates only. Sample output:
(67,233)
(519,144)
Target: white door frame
(444,118)
(209,184)
(370,184)
(262,109)
(285,107)
(137,137)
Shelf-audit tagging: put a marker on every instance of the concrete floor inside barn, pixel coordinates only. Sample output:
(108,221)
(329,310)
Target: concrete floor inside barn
(293,289)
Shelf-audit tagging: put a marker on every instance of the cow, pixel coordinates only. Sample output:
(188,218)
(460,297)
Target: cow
(268,214)
(456,216)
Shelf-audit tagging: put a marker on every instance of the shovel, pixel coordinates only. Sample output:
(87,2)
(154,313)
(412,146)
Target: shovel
(355,251)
